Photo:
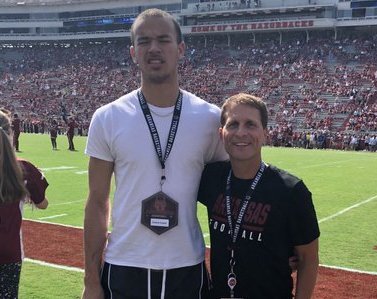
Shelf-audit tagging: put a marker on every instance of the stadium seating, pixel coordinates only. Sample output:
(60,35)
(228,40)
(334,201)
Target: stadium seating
(321,88)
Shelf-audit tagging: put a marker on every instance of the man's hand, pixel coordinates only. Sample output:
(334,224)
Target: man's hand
(93,292)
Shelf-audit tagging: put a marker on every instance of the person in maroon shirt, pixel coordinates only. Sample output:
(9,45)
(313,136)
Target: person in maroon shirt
(16,127)
(70,133)
(20,182)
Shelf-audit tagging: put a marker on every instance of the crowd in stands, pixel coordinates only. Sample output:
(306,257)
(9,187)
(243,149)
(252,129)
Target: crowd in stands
(321,93)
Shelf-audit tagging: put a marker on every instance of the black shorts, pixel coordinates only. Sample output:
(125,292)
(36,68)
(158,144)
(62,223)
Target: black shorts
(122,282)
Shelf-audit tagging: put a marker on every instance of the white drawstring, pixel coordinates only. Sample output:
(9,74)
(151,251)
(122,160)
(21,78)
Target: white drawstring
(163,284)
(149,284)
(108,281)
(201,284)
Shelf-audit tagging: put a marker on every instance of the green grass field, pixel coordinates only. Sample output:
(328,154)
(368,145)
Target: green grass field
(343,184)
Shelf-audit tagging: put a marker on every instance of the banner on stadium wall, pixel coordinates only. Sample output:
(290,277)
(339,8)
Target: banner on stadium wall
(254,26)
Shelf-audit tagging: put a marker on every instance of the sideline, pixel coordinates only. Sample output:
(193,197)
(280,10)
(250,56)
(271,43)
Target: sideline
(75,269)
(205,235)
(52,223)
(60,267)
(348,269)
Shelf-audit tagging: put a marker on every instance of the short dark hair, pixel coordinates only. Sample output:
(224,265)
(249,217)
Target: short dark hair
(155,12)
(246,99)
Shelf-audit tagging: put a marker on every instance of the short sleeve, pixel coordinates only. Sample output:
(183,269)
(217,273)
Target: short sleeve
(97,145)
(303,219)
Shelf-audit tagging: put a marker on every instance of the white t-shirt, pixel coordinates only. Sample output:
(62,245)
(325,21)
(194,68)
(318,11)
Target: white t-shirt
(119,133)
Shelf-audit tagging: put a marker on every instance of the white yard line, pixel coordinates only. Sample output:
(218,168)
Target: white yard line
(58,168)
(81,172)
(324,164)
(66,203)
(53,216)
(47,169)
(317,165)
(347,209)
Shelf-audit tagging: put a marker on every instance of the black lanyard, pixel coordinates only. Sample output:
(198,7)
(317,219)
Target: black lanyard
(232,278)
(153,129)
(234,231)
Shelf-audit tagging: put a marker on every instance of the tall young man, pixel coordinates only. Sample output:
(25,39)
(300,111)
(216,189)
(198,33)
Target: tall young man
(156,141)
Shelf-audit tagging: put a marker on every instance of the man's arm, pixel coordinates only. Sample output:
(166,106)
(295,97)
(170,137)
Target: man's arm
(307,269)
(96,225)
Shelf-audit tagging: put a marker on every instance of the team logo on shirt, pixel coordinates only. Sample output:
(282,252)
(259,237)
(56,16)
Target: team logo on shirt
(253,223)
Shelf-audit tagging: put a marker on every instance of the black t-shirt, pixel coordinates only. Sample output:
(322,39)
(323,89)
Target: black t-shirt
(279,216)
